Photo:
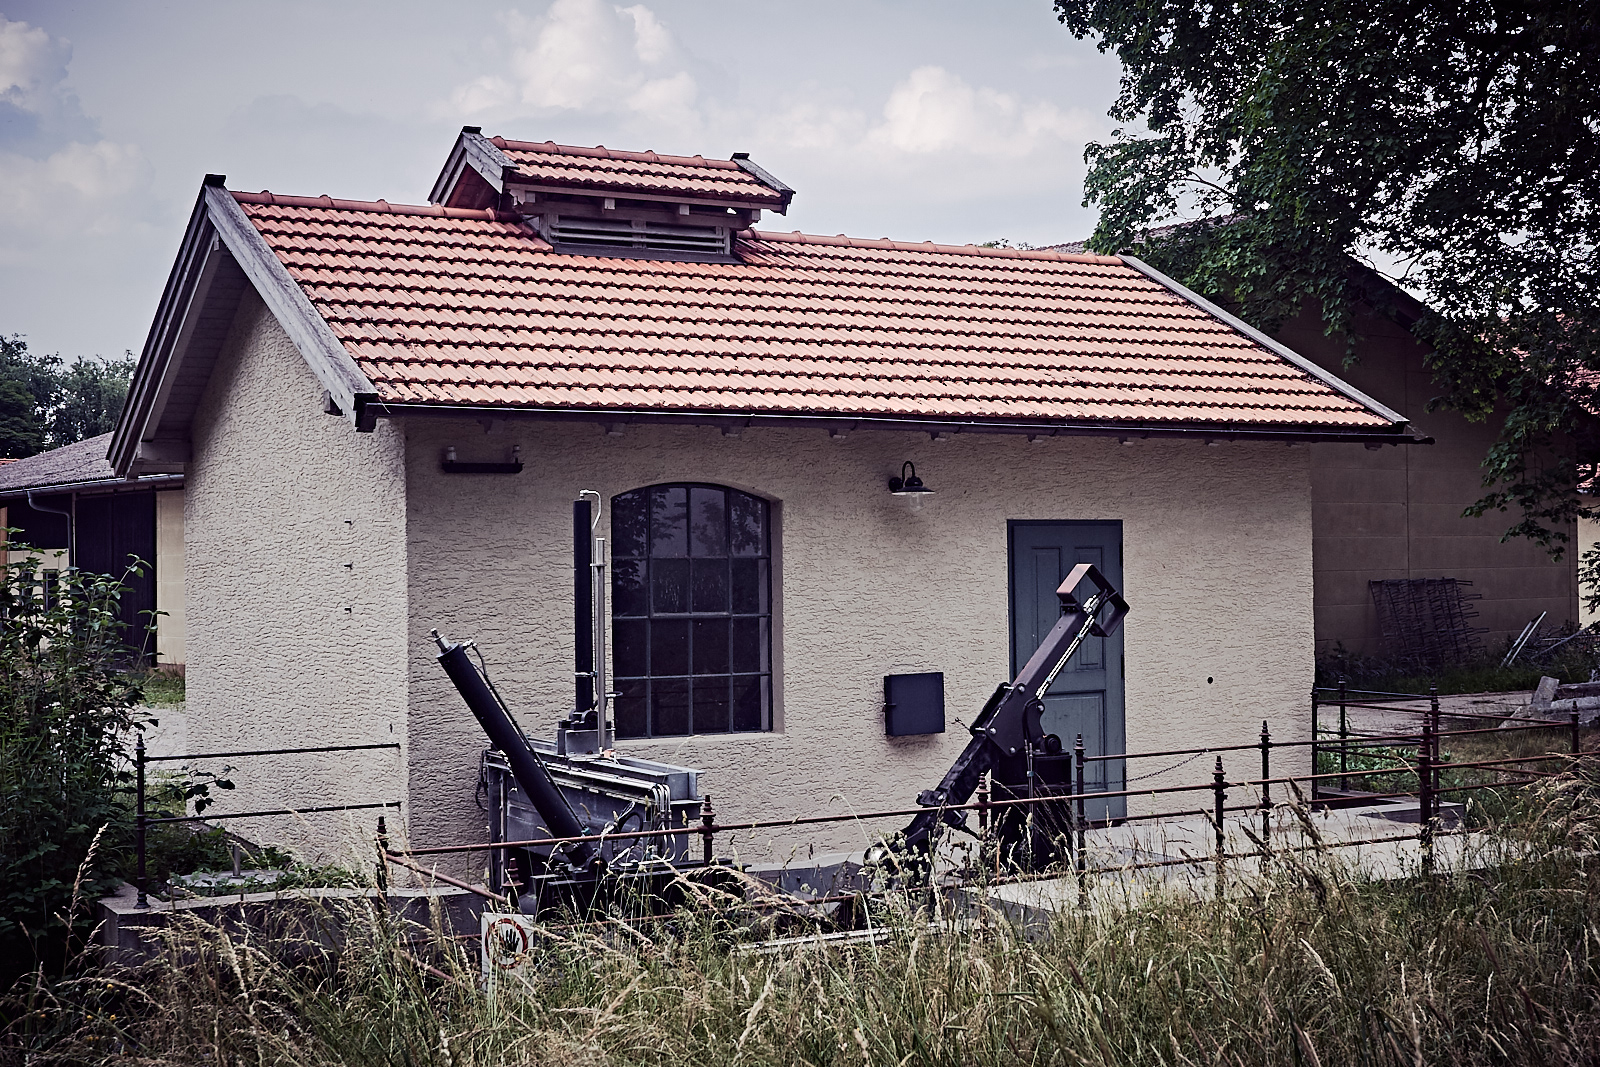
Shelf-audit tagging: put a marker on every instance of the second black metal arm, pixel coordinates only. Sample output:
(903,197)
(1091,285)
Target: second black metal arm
(1010,721)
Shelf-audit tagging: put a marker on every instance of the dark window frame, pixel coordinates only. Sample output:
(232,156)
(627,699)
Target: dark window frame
(692,618)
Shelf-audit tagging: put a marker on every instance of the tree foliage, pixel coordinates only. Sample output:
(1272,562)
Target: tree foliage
(1459,142)
(45,403)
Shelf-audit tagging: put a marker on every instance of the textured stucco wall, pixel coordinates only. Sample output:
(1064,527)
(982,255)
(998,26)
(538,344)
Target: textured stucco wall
(296,593)
(1217,562)
(172,622)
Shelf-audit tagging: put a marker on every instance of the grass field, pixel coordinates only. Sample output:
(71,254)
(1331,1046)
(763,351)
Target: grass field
(1319,966)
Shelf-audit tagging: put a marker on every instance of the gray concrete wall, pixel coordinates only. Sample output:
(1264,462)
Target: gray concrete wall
(296,602)
(1396,512)
(1218,566)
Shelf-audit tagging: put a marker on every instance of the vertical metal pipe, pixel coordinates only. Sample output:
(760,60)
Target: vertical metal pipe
(708,822)
(383,857)
(602,681)
(1081,821)
(582,609)
(1218,787)
(1266,795)
(1577,745)
(1427,799)
(140,820)
(1344,740)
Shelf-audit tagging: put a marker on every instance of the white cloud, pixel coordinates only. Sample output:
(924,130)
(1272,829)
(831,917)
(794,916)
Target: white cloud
(933,110)
(32,65)
(589,56)
(59,185)
(79,190)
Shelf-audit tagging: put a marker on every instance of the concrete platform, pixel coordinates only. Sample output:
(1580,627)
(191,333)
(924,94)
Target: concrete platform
(1376,842)
(129,934)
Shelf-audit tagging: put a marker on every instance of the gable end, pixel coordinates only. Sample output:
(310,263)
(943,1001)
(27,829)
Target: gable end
(220,256)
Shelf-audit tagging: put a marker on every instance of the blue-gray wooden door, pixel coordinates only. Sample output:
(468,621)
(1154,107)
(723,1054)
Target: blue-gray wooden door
(1087,697)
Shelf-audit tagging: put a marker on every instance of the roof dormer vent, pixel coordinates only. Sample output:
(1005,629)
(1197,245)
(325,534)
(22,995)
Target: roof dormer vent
(579,232)
(600,200)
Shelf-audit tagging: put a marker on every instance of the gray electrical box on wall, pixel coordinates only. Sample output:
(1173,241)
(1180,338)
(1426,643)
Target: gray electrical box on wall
(913,704)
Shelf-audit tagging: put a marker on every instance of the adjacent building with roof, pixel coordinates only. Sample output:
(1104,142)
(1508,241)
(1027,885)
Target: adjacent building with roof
(1383,514)
(68,507)
(383,414)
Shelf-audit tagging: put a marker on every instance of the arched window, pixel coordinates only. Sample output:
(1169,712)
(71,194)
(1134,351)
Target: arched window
(691,611)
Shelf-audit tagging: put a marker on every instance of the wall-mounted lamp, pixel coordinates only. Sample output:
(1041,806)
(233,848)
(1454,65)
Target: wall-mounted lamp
(909,487)
(450,464)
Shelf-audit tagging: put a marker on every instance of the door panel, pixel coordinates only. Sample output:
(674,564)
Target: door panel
(113,531)
(1087,696)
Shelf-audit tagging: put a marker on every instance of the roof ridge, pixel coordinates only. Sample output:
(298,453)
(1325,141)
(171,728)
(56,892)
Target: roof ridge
(381,206)
(845,241)
(602,152)
(794,237)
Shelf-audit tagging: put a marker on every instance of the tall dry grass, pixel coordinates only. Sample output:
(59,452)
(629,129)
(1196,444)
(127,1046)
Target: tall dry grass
(1312,965)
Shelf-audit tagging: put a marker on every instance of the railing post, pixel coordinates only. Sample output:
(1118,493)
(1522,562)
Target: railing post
(1344,740)
(1266,795)
(382,867)
(1080,856)
(983,805)
(1030,822)
(1219,789)
(1316,737)
(1433,717)
(708,822)
(140,820)
(1577,745)
(1427,799)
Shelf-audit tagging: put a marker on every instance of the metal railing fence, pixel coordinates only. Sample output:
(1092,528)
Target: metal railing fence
(142,820)
(1424,765)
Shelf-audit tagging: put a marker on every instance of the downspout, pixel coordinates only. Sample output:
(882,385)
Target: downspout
(72,533)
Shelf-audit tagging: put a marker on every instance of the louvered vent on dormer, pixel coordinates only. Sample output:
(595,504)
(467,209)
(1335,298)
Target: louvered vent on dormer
(579,232)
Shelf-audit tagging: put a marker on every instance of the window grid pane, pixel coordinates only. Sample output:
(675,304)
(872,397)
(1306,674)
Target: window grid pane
(692,622)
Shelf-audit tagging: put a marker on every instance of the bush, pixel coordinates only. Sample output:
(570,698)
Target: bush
(65,707)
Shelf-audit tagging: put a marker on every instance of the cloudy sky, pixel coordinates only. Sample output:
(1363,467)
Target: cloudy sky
(913,119)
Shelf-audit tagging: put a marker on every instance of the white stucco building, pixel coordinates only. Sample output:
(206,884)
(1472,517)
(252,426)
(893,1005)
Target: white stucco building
(330,375)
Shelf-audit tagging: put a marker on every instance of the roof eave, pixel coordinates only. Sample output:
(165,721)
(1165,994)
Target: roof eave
(146,481)
(219,228)
(471,150)
(1396,434)
(625,192)
(1332,381)
(186,287)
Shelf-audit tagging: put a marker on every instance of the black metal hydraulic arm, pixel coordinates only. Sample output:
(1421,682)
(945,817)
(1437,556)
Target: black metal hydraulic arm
(526,767)
(1010,723)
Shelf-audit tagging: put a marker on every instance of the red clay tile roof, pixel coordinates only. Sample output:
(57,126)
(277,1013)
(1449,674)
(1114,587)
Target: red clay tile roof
(457,307)
(604,170)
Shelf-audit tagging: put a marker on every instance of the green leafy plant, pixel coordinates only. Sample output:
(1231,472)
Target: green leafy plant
(65,709)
